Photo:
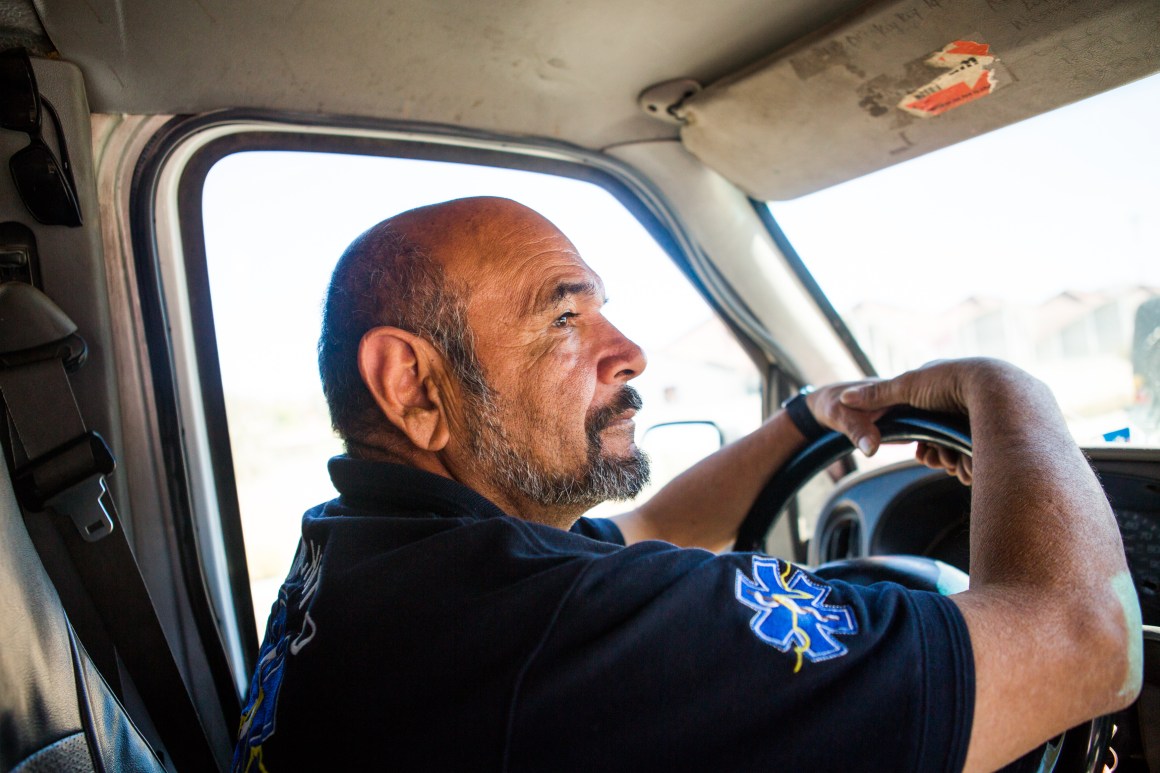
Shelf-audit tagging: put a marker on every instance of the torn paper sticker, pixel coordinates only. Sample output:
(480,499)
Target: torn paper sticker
(968,77)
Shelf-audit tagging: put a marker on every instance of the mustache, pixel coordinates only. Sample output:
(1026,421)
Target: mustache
(626,399)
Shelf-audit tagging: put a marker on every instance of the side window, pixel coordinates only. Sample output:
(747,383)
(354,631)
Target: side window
(275,224)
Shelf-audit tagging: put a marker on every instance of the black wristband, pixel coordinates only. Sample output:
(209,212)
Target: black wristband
(799,413)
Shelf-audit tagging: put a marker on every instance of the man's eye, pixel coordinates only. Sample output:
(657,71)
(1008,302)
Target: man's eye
(562,320)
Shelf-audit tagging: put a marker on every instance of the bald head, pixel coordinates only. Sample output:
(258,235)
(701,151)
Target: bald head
(413,271)
(467,220)
(467,236)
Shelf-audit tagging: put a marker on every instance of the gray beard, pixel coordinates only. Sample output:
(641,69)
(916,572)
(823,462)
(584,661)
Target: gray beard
(512,470)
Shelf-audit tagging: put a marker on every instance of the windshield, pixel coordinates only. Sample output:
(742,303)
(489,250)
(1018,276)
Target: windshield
(1038,243)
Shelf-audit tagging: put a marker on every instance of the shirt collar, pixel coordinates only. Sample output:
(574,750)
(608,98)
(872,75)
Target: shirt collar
(364,484)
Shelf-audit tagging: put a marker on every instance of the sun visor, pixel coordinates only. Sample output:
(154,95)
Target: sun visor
(900,79)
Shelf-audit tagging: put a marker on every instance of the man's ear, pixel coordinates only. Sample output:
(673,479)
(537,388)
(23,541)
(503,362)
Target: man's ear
(398,369)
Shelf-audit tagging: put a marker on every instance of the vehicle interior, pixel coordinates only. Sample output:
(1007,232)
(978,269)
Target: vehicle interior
(776,195)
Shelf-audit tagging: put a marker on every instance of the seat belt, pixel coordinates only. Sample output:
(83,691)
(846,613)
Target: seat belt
(60,479)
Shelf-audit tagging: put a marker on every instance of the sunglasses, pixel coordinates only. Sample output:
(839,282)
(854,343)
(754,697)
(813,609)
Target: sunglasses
(45,184)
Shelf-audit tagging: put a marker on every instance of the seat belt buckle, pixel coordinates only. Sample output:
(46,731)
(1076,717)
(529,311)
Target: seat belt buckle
(71,480)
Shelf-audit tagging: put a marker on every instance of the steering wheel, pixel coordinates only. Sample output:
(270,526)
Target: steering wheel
(1084,747)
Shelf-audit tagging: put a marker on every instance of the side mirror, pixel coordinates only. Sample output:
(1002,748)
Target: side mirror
(674,446)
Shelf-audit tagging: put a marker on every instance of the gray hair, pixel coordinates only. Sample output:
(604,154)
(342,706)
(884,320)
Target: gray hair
(385,279)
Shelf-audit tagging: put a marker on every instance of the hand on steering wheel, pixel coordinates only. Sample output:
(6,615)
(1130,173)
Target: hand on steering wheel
(1082,748)
(900,424)
(836,407)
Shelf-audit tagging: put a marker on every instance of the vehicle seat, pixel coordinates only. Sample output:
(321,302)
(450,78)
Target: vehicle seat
(56,712)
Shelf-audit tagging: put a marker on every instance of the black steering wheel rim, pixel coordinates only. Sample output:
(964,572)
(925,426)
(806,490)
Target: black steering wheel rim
(1083,747)
(899,424)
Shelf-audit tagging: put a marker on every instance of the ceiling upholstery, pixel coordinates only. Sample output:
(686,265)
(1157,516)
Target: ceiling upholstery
(801,94)
(551,68)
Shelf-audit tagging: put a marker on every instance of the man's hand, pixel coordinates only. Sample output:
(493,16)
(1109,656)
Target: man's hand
(826,405)
(939,458)
(832,409)
(1053,618)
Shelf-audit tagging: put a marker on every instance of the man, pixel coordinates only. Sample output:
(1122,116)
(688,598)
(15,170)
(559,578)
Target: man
(452,610)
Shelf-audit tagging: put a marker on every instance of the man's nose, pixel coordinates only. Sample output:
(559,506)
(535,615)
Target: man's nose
(621,360)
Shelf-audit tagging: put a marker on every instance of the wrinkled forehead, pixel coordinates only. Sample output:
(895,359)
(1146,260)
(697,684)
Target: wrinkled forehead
(504,254)
(532,273)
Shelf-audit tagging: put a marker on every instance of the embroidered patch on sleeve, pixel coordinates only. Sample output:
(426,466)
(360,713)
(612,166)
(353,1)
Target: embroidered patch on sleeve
(261,712)
(791,613)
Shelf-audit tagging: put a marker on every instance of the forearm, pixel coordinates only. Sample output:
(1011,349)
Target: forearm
(704,506)
(1053,621)
(1044,543)
(1041,524)
(1039,515)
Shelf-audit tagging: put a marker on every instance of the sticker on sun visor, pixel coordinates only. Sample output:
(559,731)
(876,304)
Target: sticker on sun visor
(791,613)
(969,76)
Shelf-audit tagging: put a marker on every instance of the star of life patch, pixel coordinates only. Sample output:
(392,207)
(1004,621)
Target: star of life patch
(790,613)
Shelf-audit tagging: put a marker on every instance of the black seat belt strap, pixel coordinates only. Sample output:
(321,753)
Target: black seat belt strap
(67,464)
(14,384)
(62,479)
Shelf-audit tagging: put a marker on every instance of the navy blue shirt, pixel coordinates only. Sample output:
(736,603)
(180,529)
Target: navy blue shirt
(421,628)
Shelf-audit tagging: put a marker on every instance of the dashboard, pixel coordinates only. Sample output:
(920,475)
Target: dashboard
(906,508)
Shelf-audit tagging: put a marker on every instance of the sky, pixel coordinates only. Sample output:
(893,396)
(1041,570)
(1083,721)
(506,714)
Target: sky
(1066,200)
